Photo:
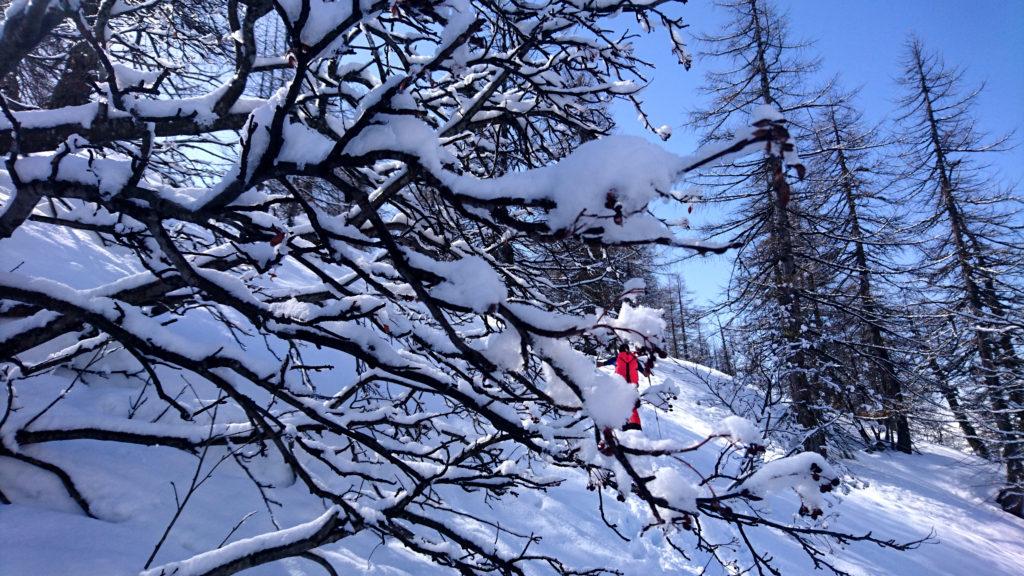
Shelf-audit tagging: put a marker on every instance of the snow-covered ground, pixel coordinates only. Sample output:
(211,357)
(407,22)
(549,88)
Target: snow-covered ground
(939,491)
(893,495)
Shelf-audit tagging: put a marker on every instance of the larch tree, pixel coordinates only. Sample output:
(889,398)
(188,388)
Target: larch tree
(971,266)
(859,235)
(760,68)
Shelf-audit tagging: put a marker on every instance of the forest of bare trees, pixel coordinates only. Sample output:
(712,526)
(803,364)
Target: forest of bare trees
(876,299)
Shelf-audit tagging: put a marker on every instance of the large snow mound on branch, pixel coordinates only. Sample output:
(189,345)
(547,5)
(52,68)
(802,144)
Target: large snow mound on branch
(893,495)
(623,170)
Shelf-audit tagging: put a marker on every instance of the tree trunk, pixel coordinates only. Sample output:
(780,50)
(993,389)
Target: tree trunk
(682,318)
(726,358)
(675,341)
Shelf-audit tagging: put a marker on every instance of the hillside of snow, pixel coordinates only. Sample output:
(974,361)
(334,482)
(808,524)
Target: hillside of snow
(939,492)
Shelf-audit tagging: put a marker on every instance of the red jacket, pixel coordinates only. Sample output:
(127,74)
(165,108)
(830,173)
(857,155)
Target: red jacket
(627,365)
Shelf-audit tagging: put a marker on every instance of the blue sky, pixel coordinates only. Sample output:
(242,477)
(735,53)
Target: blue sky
(861,41)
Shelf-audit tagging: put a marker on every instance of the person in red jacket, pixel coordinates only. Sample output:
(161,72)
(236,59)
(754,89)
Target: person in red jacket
(627,365)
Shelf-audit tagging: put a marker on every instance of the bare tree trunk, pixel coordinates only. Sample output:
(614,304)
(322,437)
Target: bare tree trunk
(682,318)
(726,358)
(675,341)
(970,433)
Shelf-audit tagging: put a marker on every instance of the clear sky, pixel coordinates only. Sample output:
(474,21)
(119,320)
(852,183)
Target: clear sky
(862,41)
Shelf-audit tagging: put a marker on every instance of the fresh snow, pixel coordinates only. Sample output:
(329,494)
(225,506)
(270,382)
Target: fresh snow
(640,324)
(675,488)
(904,497)
(940,492)
(626,169)
(739,429)
(207,561)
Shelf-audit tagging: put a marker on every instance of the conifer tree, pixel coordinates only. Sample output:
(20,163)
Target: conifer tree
(758,66)
(858,234)
(971,265)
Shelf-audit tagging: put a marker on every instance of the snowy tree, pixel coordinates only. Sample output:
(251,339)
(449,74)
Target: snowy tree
(759,67)
(319,286)
(858,237)
(680,307)
(972,261)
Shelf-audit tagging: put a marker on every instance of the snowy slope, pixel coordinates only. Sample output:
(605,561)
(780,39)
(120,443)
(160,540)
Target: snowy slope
(895,496)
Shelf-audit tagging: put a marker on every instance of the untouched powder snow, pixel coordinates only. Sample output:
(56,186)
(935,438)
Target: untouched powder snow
(903,497)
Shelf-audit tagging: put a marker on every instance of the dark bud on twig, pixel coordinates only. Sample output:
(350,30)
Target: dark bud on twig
(610,201)
(278,238)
